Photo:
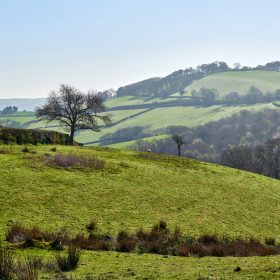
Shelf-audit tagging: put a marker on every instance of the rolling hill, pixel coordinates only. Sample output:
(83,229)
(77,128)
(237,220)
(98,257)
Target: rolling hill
(138,189)
(153,113)
(239,81)
(141,188)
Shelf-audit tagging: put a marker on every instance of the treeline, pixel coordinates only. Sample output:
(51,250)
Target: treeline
(262,159)
(179,80)
(30,136)
(175,82)
(210,141)
(208,97)
(9,110)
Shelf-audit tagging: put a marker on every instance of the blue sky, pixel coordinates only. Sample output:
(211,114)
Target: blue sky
(104,44)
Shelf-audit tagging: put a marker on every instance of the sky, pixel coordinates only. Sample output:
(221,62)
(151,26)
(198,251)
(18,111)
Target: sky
(102,44)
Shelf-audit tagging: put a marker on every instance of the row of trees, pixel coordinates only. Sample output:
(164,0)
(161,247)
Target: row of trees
(207,142)
(206,97)
(175,82)
(262,159)
(9,110)
(179,80)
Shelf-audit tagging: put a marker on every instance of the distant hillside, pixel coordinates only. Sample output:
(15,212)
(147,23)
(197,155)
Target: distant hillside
(179,80)
(239,81)
(27,104)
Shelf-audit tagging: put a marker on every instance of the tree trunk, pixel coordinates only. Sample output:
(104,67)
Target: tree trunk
(179,151)
(71,137)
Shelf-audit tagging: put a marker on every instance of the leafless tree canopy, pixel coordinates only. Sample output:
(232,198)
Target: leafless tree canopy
(179,140)
(74,110)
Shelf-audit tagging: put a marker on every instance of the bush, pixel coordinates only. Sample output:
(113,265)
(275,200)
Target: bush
(29,269)
(125,242)
(67,161)
(94,242)
(91,226)
(6,263)
(208,239)
(71,261)
(31,237)
(25,150)
(56,244)
(270,241)
(183,250)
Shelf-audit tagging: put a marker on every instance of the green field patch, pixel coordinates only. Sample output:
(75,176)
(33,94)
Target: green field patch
(239,81)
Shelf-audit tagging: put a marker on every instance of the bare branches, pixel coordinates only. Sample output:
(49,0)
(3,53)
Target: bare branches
(179,140)
(74,110)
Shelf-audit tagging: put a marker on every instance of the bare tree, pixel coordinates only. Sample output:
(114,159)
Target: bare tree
(74,110)
(179,140)
(182,92)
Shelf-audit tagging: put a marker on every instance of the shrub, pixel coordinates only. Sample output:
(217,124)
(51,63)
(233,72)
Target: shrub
(28,269)
(25,150)
(15,233)
(6,263)
(91,226)
(125,242)
(208,239)
(18,233)
(94,242)
(270,241)
(56,244)
(183,250)
(71,261)
(67,161)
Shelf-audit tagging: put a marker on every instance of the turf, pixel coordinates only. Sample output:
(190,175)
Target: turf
(112,265)
(161,117)
(239,81)
(134,191)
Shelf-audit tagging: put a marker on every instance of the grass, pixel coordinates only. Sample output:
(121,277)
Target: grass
(157,118)
(239,81)
(161,117)
(125,145)
(135,190)
(113,265)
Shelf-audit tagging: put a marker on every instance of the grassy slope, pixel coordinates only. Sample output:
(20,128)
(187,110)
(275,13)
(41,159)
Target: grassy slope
(134,191)
(239,81)
(162,117)
(188,116)
(157,118)
(112,265)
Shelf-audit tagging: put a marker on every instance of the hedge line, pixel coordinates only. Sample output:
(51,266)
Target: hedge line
(31,136)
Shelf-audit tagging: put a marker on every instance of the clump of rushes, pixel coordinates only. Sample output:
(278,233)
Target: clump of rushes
(71,261)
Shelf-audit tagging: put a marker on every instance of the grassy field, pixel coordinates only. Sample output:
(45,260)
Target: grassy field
(239,81)
(161,117)
(148,266)
(124,145)
(134,191)
(151,120)
(137,190)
